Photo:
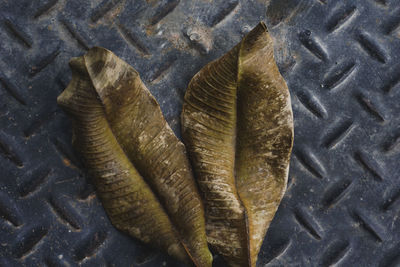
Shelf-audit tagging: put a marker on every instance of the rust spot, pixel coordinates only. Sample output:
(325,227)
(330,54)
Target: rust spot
(67,162)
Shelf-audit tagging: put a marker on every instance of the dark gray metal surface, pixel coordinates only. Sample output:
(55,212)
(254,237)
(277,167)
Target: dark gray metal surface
(341,62)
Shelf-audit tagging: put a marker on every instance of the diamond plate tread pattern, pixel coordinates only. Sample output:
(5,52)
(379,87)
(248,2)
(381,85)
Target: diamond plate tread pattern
(339,58)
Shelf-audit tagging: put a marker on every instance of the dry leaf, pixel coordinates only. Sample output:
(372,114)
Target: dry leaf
(140,168)
(238,127)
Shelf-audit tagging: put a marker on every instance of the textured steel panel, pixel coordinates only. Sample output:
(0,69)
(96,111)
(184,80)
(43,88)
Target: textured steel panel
(341,62)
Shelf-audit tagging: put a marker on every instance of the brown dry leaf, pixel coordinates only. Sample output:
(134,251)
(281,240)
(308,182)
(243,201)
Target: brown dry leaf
(140,168)
(238,127)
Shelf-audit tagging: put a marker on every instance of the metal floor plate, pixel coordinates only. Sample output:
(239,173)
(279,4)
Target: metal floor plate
(341,60)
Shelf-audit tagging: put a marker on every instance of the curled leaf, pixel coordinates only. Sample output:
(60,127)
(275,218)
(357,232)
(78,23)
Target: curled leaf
(237,124)
(139,166)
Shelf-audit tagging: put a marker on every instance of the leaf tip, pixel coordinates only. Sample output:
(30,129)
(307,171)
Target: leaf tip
(78,69)
(263,26)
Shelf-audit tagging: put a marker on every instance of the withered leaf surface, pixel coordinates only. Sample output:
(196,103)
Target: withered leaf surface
(140,168)
(237,124)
